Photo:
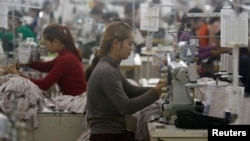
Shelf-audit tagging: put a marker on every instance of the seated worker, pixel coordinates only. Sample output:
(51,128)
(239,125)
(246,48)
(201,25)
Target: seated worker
(24,31)
(66,69)
(189,28)
(110,95)
(211,53)
(193,23)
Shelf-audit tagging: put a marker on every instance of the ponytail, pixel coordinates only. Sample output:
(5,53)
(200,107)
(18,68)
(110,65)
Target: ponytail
(70,44)
(92,66)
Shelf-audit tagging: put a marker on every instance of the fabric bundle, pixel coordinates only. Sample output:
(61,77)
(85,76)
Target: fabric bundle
(20,99)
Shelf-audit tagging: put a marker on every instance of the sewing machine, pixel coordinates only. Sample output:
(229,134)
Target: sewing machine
(178,96)
(27,51)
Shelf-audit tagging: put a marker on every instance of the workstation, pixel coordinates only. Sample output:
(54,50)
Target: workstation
(199,50)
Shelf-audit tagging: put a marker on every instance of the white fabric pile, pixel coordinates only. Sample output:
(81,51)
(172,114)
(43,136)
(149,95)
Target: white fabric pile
(21,99)
(72,104)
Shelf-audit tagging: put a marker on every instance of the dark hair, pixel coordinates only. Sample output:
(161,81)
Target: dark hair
(214,19)
(35,10)
(195,10)
(115,30)
(184,24)
(63,34)
(110,17)
(185,21)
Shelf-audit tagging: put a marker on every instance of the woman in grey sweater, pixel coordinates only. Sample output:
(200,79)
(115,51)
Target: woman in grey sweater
(109,95)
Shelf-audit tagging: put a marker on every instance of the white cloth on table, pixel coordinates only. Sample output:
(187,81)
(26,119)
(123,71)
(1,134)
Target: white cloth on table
(200,92)
(68,103)
(21,97)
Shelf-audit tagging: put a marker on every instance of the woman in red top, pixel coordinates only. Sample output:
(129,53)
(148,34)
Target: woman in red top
(66,69)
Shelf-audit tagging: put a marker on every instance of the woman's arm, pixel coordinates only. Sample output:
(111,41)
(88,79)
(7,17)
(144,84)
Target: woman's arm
(132,90)
(112,86)
(205,52)
(51,77)
(42,66)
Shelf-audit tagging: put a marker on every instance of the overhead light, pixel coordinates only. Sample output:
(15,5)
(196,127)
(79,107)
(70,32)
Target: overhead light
(40,14)
(207,7)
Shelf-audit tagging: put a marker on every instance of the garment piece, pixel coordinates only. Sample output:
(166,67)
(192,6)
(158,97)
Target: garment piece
(188,119)
(62,103)
(110,97)
(143,117)
(66,70)
(72,104)
(20,96)
(4,79)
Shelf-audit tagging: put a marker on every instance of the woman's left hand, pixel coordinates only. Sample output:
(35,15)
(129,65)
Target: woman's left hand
(12,69)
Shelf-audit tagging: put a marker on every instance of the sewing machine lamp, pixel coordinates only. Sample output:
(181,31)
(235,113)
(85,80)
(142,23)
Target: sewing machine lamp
(24,52)
(188,52)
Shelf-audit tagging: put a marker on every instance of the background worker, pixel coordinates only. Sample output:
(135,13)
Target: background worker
(22,31)
(66,69)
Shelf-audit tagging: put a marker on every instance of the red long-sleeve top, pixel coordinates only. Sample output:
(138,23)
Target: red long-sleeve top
(66,70)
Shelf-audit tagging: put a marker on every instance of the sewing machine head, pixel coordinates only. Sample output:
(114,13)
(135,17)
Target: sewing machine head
(27,51)
(179,97)
(179,77)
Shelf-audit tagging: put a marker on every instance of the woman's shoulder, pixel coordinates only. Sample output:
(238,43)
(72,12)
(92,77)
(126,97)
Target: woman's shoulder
(67,56)
(105,66)
(106,69)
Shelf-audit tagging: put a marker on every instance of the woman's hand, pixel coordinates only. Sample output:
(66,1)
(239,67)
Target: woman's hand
(12,69)
(215,52)
(159,87)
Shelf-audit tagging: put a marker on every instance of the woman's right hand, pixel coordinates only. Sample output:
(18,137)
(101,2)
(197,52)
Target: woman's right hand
(159,87)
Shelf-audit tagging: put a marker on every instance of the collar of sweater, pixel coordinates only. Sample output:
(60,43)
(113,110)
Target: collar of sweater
(63,51)
(113,62)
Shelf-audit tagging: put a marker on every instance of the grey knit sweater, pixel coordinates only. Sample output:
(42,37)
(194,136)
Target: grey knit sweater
(110,97)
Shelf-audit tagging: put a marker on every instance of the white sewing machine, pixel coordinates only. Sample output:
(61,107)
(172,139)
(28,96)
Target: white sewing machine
(178,97)
(27,51)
